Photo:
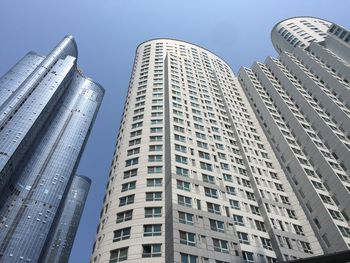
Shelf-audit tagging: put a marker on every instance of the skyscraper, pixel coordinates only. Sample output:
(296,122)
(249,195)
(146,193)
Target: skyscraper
(193,177)
(302,100)
(46,113)
(67,225)
(298,32)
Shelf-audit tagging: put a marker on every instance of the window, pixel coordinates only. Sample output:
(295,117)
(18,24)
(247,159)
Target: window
(154,182)
(183,185)
(133,151)
(184,200)
(204,155)
(126,200)
(243,238)
(202,145)
(298,230)
(266,243)
(222,155)
(220,245)
(187,238)
(230,190)
(180,148)
(250,196)
(186,258)
(344,230)
(155,148)
(235,204)
(279,187)
(152,230)
(139,110)
(208,178)
(154,169)
(177,120)
(177,112)
(181,159)
(155,158)
(216,225)
(285,200)
(130,173)
(137,117)
(128,186)
(206,166)
(154,196)
(186,218)
(118,255)
(135,133)
(151,250)
(157,121)
(133,161)
(248,257)
(134,142)
(211,192)
(199,127)
(238,220)
(228,177)
(214,208)
(153,212)
(156,129)
(260,225)
(121,234)
(225,166)
(182,171)
(179,138)
(136,125)
(124,216)
(200,135)
(179,129)
(335,214)
(140,98)
(306,247)
(157,138)
(255,210)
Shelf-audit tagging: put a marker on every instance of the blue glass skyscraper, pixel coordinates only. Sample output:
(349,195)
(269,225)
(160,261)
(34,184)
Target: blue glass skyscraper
(62,238)
(47,108)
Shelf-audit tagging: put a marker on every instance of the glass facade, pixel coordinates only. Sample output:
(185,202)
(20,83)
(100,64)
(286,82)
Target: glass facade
(62,238)
(46,113)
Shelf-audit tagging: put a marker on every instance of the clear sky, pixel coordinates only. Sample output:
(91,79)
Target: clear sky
(107,33)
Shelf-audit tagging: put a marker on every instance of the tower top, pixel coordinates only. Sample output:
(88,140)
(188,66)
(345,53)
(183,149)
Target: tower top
(298,32)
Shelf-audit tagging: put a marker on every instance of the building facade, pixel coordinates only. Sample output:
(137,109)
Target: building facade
(60,246)
(47,110)
(302,100)
(193,177)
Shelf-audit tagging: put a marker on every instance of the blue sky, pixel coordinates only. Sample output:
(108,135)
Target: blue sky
(107,33)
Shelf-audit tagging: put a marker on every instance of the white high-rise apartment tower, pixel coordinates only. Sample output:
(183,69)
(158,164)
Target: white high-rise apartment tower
(193,178)
(302,100)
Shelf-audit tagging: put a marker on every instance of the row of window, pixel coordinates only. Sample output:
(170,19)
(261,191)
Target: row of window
(149,212)
(148,230)
(148,251)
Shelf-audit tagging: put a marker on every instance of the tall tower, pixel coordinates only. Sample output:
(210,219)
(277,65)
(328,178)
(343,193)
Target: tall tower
(193,177)
(302,100)
(298,32)
(62,237)
(47,107)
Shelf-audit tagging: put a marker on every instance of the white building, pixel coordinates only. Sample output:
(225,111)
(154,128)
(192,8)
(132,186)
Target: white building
(302,100)
(194,178)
